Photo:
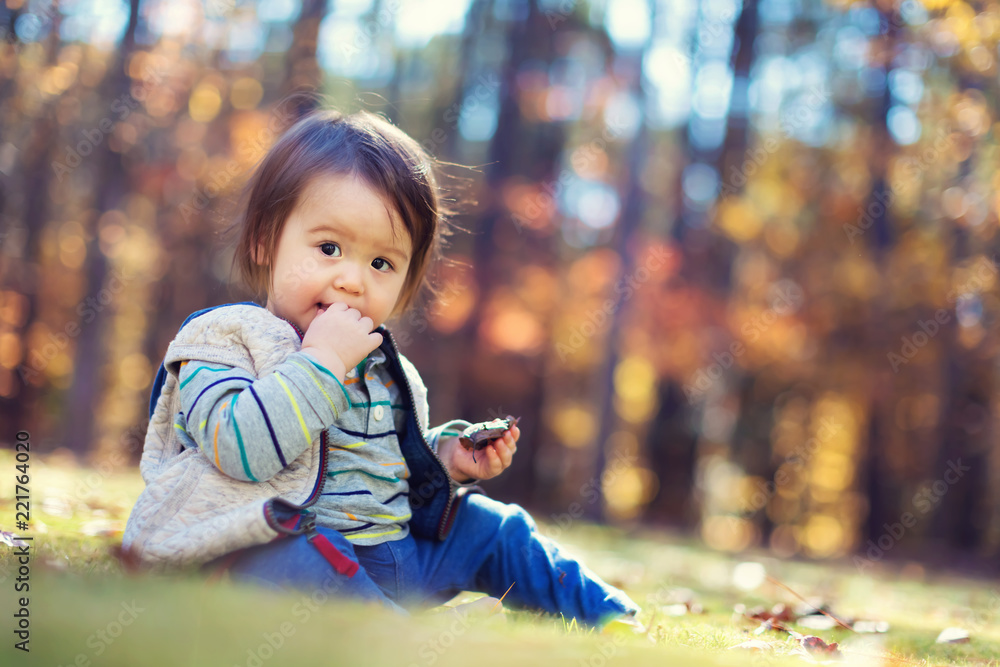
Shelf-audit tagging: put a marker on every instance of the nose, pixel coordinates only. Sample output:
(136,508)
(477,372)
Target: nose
(349,279)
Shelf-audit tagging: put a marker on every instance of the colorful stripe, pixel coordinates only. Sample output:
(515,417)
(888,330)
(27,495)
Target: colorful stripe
(198,370)
(270,428)
(202,393)
(326,370)
(215,437)
(384,479)
(336,412)
(359,434)
(298,413)
(388,532)
(354,446)
(239,441)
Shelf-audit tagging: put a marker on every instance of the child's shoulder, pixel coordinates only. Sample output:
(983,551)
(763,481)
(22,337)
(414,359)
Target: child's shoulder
(234,319)
(236,332)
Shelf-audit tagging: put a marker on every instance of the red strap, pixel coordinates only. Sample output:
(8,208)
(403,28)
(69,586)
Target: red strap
(339,561)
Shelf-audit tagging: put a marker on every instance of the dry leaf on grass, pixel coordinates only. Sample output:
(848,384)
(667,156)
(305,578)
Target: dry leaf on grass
(954,636)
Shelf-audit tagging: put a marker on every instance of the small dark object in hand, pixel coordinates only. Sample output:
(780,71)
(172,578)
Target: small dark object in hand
(479,435)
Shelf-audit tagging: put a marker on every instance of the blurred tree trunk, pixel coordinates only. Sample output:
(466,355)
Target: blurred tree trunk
(34,197)
(531,150)
(751,439)
(883,484)
(114,182)
(966,433)
(508,150)
(303,73)
(708,262)
(633,207)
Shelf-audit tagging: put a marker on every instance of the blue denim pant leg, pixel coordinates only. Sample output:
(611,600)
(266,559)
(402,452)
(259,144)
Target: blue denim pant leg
(493,545)
(294,563)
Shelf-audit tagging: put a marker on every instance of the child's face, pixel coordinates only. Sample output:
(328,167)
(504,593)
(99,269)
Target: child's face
(338,246)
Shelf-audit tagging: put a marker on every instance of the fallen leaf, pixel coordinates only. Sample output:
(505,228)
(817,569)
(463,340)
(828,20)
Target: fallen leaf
(817,645)
(748,576)
(754,645)
(953,636)
(864,627)
(679,609)
(817,622)
(11,539)
(102,528)
(770,624)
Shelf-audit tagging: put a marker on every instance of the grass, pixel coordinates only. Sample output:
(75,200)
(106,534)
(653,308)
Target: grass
(85,611)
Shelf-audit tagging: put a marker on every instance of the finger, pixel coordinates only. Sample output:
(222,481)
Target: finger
(504,453)
(374,339)
(337,305)
(367,323)
(496,465)
(510,456)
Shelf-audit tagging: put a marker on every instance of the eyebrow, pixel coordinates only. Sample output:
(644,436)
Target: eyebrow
(328,227)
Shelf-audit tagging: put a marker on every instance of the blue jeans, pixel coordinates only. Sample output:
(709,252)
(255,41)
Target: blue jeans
(491,546)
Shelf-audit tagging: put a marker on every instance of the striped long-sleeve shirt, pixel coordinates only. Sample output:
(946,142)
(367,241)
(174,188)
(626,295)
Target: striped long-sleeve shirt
(252,428)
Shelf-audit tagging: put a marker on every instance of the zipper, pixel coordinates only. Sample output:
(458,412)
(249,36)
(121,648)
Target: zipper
(309,518)
(423,439)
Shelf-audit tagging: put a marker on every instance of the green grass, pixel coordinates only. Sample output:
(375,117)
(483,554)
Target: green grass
(77,593)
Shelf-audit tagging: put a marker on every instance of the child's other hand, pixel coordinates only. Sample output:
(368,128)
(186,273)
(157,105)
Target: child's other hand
(339,338)
(489,461)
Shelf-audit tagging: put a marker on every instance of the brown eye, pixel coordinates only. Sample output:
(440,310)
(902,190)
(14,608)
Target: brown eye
(330,249)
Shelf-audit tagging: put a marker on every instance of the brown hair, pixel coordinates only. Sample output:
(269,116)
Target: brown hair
(362,145)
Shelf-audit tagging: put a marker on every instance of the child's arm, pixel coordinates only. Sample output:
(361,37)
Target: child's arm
(253,428)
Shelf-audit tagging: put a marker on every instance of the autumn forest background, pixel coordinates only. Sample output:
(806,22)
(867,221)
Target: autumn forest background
(734,266)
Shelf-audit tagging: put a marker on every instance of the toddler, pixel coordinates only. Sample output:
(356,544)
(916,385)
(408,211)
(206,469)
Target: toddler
(290,443)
